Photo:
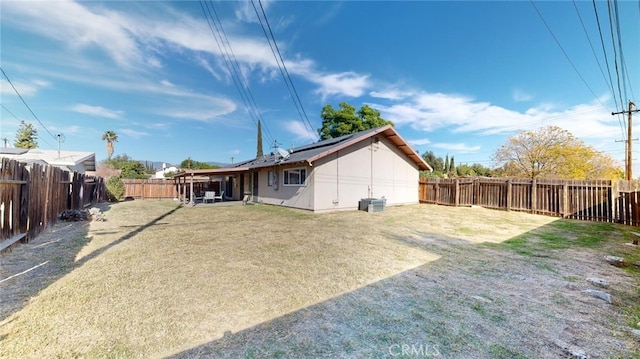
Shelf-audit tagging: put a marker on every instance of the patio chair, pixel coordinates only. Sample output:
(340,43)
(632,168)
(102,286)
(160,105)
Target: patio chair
(209,196)
(218,197)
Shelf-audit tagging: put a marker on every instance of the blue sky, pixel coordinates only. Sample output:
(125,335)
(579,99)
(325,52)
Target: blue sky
(456,78)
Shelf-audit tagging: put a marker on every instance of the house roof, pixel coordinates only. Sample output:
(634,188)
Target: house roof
(63,159)
(315,151)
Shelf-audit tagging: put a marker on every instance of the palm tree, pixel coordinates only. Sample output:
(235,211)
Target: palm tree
(110,137)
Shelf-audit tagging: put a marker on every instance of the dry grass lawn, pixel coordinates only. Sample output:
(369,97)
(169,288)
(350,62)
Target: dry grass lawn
(157,280)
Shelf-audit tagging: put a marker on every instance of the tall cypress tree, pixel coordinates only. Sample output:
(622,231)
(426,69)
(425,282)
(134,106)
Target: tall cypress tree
(259,151)
(446,165)
(452,167)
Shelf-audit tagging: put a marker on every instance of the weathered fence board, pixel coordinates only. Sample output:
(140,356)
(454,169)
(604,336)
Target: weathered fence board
(150,188)
(32,197)
(595,200)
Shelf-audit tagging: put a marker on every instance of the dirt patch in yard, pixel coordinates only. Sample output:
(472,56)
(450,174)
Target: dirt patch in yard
(262,281)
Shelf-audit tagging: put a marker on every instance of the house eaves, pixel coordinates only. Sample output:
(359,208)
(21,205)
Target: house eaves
(390,133)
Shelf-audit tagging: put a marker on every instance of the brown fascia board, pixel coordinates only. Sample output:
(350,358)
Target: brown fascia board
(389,132)
(214,171)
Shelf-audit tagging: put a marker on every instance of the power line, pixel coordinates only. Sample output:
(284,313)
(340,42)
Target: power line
(285,74)
(565,53)
(593,51)
(621,119)
(230,60)
(623,62)
(604,51)
(29,108)
(11,113)
(615,53)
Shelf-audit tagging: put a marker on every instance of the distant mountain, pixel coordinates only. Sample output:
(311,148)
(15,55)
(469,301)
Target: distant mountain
(156,165)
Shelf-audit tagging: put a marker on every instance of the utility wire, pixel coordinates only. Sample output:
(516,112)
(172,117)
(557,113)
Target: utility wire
(285,74)
(621,119)
(29,108)
(615,54)
(604,51)
(11,113)
(623,62)
(565,54)
(593,51)
(235,72)
(243,80)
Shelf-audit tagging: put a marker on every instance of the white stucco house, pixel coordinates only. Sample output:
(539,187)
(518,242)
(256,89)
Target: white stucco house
(67,160)
(161,173)
(329,175)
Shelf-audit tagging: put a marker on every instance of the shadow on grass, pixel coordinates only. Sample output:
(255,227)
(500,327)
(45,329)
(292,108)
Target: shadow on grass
(452,307)
(139,229)
(32,267)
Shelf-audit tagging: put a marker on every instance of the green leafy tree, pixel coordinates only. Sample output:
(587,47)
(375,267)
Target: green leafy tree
(437,163)
(552,152)
(345,120)
(128,167)
(26,136)
(259,152)
(110,137)
(118,161)
(475,169)
(196,165)
(133,169)
(115,189)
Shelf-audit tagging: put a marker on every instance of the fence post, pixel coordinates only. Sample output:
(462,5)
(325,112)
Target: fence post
(437,191)
(508,199)
(456,192)
(565,199)
(476,189)
(534,195)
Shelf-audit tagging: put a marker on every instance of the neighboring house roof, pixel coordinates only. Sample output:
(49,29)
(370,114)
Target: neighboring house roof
(315,151)
(68,160)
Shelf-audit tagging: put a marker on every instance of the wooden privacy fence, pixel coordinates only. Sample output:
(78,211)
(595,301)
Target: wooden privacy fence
(595,200)
(31,198)
(150,188)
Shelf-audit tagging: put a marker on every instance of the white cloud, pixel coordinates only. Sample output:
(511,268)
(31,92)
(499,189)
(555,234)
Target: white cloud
(460,148)
(301,132)
(419,142)
(521,96)
(77,26)
(158,126)
(23,88)
(98,111)
(133,133)
(138,40)
(390,94)
(167,83)
(197,111)
(344,84)
(432,111)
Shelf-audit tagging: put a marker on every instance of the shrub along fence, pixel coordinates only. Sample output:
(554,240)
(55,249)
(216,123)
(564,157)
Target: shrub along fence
(32,197)
(595,200)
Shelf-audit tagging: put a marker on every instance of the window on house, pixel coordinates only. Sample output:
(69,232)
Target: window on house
(295,176)
(269,178)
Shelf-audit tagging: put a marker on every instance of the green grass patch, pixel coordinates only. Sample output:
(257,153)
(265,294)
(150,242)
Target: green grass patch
(561,234)
(498,352)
